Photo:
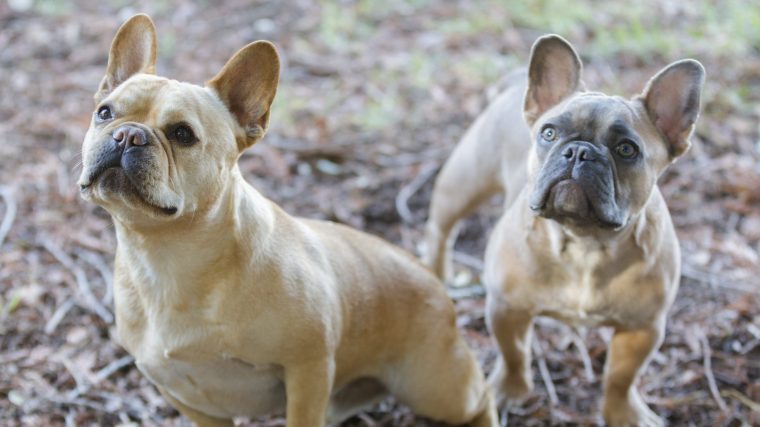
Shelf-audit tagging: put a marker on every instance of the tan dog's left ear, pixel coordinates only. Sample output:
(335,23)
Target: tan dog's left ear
(133,51)
(247,85)
(672,101)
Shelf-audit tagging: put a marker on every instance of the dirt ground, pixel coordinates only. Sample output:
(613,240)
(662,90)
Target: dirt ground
(374,96)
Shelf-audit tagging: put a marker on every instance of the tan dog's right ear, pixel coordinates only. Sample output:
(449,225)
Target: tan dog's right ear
(133,51)
(247,85)
(553,75)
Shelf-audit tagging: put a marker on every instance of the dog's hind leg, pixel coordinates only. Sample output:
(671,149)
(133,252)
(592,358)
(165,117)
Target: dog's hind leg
(355,397)
(467,179)
(442,381)
(200,419)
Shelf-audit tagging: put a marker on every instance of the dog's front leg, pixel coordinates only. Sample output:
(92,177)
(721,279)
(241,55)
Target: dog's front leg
(512,328)
(308,386)
(628,354)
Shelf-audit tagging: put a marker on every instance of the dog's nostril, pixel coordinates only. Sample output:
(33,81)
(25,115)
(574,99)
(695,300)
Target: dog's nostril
(568,153)
(585,155)
(128,136)
(137,138)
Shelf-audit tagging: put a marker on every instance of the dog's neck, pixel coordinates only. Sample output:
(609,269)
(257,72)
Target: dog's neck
(181,254)
(640,233)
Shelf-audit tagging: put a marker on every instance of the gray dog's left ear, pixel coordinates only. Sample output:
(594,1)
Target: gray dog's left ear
(133,51)
(553,75)
(672,100)
(247,85)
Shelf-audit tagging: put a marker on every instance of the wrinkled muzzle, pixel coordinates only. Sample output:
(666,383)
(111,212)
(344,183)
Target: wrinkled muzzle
(130,165)
(576,183)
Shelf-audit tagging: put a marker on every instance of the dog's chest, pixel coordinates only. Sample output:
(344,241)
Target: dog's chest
(202,377)
(578,295)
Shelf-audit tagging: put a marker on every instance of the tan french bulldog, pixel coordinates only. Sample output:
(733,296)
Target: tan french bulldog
(586,236)
(232,307)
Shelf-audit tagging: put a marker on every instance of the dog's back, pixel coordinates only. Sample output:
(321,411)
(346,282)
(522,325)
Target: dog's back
(469,178)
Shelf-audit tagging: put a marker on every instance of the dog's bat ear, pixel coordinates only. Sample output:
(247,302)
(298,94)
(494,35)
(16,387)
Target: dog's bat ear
(672,99)
(553,75)
(133,51)
(247,85)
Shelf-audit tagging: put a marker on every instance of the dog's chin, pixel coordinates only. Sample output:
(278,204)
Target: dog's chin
(569,204)
(112,189)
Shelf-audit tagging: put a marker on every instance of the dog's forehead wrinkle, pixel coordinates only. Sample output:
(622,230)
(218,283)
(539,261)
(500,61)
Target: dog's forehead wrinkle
(594,115)
(180,101)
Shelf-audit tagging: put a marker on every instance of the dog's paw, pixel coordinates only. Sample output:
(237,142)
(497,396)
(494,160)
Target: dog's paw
(509,391)
(632,412)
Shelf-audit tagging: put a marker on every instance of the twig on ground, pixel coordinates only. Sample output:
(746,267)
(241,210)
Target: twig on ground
(82,382)
(412,187)
(58,315)
(713,385)
(543,369)
(71,418)
(112,367)
(97,262)
(105,372)
(367,420)
(15,356)
(588,367)
(711,279)
(468,260)
(82,283)
(504,418)
(751,404)
(10,212)
(476,290)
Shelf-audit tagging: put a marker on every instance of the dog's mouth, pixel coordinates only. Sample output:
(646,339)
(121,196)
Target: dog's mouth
(567,201)
(114,172)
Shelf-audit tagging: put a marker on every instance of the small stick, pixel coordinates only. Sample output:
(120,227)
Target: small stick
(712,280)
(112,367)
(81,278)
(408,191)
(468,260)
(751,404)
(588,368)
(707,355)
(10,212)
(544,370)
(476,290)
(58,315)
(102,374)
(96,261)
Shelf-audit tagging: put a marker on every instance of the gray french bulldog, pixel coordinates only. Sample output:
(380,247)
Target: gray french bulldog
(586,236)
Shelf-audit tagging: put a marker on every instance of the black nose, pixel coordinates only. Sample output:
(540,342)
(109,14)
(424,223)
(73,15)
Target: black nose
(579,151)
(130,136)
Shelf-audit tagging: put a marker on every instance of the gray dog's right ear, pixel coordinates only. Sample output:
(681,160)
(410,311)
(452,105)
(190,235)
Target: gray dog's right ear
(133,51)
(247,85)
(672,101)
(553,75)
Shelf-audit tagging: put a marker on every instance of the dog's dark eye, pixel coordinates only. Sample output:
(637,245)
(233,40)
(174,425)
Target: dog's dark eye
(104,113)
(549,134)
(627,150)
(183,134)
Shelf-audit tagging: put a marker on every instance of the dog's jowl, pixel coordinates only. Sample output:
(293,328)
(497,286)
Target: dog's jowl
(586,236)
(232,307)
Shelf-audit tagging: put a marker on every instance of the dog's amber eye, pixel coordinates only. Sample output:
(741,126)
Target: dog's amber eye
(104,113)
(627,150)
(183,134)
(549,134)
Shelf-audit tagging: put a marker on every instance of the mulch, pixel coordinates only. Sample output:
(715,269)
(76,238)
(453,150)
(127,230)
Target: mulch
(372,101)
